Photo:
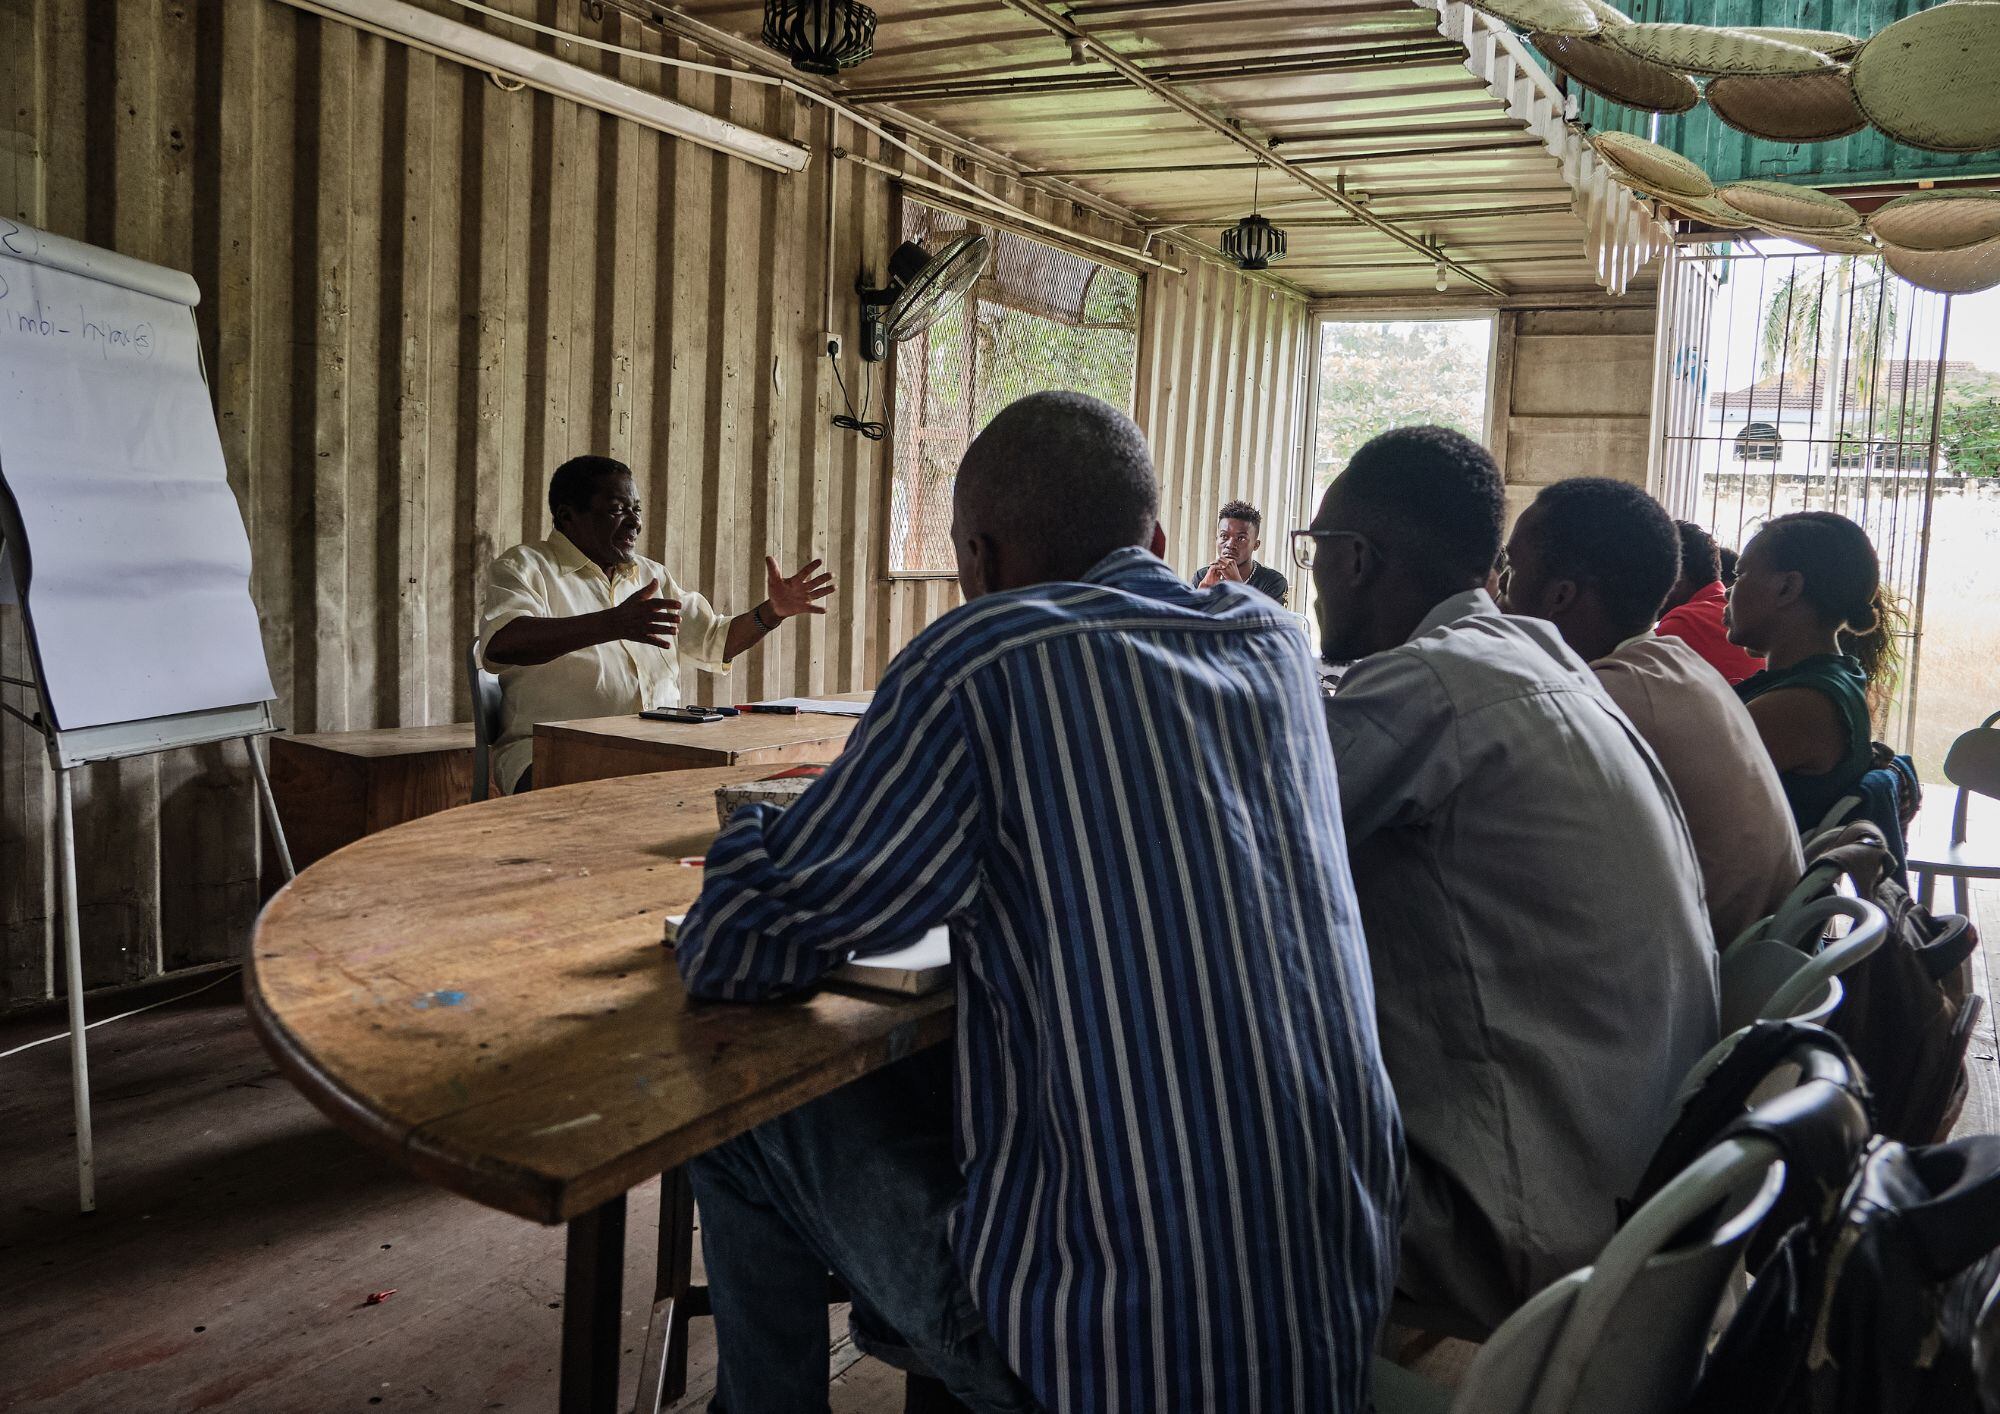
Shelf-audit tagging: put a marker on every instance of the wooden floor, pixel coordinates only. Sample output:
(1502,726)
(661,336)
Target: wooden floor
(238,1237)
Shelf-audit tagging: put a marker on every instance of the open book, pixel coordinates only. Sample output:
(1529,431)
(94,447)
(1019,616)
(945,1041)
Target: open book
(917,970)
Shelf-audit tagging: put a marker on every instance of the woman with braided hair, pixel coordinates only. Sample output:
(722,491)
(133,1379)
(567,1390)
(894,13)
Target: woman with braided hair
(1809,599)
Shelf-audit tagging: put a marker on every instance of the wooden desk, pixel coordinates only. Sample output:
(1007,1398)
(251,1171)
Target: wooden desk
(595,748)
(482,996)
(334,787)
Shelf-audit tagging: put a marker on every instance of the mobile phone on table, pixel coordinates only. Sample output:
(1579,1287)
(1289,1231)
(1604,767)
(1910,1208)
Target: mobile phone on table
(680,714)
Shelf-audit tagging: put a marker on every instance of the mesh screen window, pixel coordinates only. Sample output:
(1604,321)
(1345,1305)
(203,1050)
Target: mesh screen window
(1039,318)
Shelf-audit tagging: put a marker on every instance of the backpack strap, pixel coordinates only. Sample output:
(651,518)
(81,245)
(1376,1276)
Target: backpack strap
(1816,1122)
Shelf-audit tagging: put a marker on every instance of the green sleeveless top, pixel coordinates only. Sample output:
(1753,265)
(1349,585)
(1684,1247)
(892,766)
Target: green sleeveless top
(1840,680)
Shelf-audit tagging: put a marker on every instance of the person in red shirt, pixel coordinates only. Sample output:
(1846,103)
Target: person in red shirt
(1695,604)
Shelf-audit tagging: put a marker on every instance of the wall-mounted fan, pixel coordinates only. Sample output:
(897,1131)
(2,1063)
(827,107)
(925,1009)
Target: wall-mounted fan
(921,288)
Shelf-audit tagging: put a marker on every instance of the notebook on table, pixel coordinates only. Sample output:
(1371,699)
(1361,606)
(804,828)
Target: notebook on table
(915,971)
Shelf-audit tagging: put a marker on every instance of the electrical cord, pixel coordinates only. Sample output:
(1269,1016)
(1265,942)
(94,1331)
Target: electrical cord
(106,1021)
(850,421)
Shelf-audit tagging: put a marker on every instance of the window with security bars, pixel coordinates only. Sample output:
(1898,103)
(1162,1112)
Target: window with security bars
(1039,318)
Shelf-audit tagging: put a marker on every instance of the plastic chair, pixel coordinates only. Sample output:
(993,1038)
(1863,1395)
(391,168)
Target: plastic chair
(1628,1332)
(1973,765)
(1767,974)
(1791,1082)
(485,720)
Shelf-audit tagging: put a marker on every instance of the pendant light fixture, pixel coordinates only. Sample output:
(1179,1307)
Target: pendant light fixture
(1253,243)
(820,36)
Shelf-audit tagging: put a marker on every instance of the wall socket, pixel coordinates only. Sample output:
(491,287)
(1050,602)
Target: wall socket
(831,343)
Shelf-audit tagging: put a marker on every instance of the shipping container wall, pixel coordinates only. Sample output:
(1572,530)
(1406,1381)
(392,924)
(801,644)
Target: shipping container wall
(421,291)
(1222,398)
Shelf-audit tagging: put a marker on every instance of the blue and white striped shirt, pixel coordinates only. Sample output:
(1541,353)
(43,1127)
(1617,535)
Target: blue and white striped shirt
(1183,1161)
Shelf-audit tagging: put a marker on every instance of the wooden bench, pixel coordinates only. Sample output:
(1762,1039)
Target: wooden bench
(334,787)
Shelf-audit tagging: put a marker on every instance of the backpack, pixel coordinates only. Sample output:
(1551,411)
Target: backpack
(1909,1008)
(1820,1134)
(1889,1307)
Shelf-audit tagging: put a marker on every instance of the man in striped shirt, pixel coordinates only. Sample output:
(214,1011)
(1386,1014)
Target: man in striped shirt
(1174,1176)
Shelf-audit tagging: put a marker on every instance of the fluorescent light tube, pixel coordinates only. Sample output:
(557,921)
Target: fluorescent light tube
(392,19)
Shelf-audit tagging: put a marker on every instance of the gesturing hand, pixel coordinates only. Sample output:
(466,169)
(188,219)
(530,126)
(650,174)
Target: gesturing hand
(645,618)
(801,593)
(1229,567)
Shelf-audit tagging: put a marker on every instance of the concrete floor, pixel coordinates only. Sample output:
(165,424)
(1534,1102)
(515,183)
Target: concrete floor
(238,1236)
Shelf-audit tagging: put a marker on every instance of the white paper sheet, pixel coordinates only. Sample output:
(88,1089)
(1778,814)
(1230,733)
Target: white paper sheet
(139,589)
(931,950)
(820,704)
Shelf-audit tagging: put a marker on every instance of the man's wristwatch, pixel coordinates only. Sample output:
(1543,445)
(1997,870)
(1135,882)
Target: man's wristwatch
(757,613)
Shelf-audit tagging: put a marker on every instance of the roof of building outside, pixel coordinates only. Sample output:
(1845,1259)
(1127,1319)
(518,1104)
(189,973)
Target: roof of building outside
(1804,389)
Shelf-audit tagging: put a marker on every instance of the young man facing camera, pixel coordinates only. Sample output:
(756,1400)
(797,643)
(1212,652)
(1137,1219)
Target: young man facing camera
(1239,531)
(1177,1161)
(1544,975)
(1595,557)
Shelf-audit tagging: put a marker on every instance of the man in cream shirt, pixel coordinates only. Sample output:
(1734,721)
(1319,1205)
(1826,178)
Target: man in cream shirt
(579,625)
(1595,557)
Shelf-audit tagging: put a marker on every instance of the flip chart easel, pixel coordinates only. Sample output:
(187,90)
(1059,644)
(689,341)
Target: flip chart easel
(122,543)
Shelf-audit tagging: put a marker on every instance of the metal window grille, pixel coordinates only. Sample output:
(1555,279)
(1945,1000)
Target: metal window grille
(1795,381)
(1038,319)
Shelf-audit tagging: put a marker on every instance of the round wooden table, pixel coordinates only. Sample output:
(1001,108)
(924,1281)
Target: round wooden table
(482,995)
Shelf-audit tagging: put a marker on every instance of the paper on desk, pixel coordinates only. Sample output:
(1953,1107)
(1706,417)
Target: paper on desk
(923,966)
(820,704)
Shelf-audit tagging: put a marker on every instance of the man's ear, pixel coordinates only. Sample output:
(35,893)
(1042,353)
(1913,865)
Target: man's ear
(1358,561)
(1158,544)
(977,573)
(1560,597)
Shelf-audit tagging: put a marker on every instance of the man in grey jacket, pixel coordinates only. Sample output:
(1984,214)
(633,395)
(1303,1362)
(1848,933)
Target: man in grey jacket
(1544,970)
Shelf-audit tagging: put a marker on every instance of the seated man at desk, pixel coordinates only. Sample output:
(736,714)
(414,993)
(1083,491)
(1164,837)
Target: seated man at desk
(1595,557)
(581,625)
(1544,974)
(1177,1163)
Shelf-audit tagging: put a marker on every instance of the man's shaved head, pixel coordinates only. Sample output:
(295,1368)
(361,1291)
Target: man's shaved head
(1055,483)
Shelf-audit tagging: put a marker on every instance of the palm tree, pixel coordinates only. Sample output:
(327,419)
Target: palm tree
(1852,302)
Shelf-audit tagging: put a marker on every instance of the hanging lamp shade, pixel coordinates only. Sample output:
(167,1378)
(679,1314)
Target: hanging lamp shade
(1253,243)
(820,36)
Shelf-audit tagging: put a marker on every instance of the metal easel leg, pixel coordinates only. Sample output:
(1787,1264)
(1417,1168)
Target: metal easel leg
(79,1047)
(270,803)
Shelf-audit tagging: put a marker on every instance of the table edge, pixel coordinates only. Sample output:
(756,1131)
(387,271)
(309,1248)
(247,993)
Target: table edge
(528,1195)
(525,1193)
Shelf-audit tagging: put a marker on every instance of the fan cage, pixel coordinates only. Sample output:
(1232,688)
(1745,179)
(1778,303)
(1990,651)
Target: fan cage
(1253,243)
(947,276)
(820,36)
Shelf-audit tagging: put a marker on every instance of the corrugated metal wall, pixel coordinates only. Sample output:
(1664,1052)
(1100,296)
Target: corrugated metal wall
(1222,398)
(421,293)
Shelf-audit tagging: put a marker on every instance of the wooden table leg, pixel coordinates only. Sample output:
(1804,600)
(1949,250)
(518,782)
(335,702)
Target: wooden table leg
(663,1371)
(593,1294)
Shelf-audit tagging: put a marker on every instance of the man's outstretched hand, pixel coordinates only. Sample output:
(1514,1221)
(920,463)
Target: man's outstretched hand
(801,593)
(644,618)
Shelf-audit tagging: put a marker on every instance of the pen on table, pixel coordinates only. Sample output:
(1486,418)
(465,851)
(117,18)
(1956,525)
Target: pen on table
(779,708)
(693,861)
